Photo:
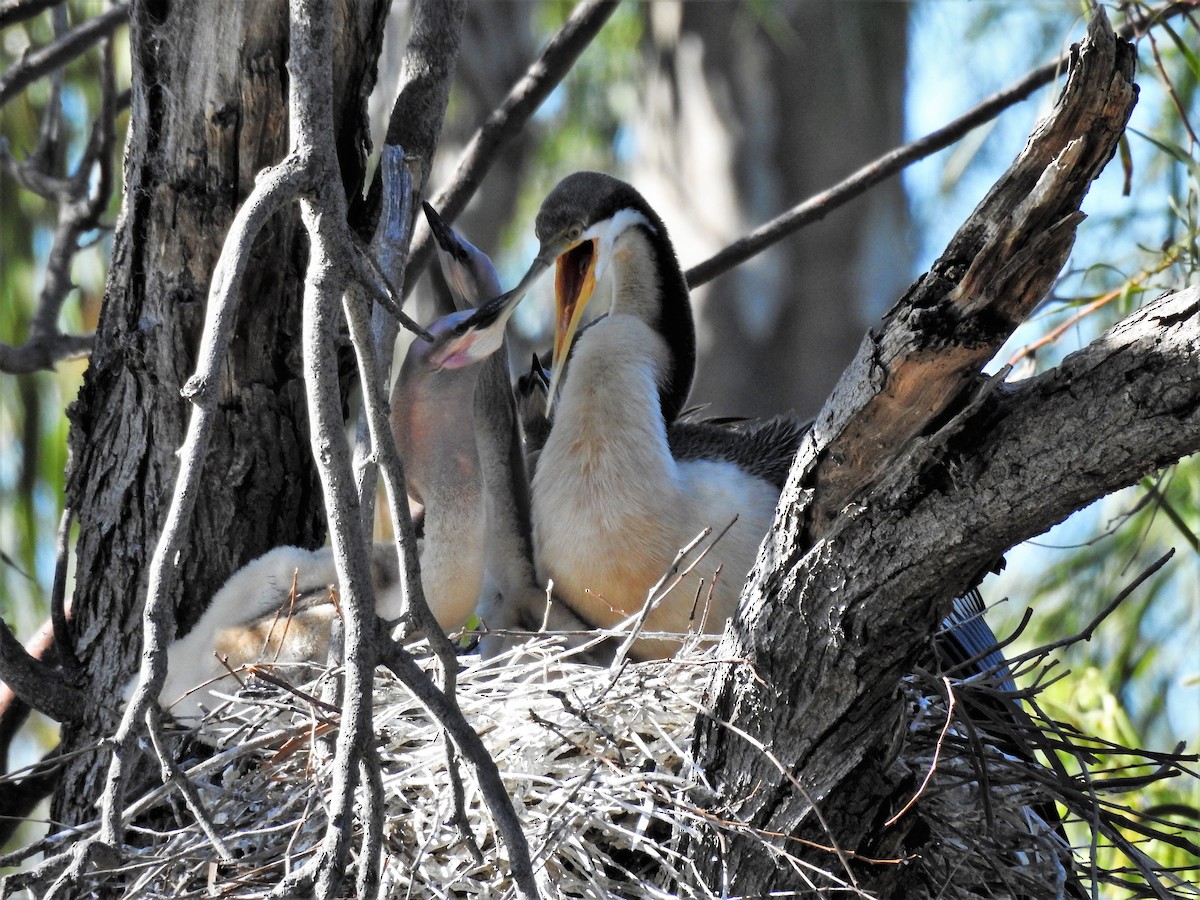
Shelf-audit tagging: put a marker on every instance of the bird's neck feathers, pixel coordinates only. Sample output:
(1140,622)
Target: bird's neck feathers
(609,410)
(646,282)
(433,424)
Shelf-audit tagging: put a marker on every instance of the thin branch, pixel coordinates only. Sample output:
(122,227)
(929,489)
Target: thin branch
(369,885)
(41,686)
(430,59)
(81,200)
(19,798)
(389,247)
(15,11)
(59,52)
(332,253)
(274,188)
(514,112)
(173,776)
(820,205)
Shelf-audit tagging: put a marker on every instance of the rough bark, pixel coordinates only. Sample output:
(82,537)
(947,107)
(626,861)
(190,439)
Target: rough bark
(205,120)
(829,633)
(907,488)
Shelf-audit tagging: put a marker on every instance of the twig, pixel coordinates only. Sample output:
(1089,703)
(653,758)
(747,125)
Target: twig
(506,121)
(389,247)
(274,188)
(1090,628)
(323,210)
(59,52)
(368,884)
(19,10)
(820,205)
(60,603)
(490,783)
(172,776)
(40,686)
(937,752)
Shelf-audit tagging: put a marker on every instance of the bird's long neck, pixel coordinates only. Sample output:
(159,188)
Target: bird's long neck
(609,437)
(648,283)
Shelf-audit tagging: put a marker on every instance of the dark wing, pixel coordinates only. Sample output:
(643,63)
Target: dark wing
(762,447)
(966,637)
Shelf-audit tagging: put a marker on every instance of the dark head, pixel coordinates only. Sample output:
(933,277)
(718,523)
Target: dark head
(579,224)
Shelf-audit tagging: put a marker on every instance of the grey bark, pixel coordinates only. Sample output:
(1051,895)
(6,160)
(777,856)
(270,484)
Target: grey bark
(909,486)
(204,122)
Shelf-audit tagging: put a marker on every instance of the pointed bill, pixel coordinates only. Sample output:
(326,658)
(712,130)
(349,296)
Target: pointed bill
(574,283)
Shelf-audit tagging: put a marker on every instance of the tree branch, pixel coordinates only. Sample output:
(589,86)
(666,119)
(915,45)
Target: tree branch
(274,188)
(19,10)
(880,527)
(820,205)
(824,695)
(490,783)
(59,52)
(995,270)
(27,678)
(506,121)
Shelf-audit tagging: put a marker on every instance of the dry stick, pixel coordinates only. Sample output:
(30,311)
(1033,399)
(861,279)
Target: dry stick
(323,211)
(389,247)
(40,686)
(80,204)
(19,10)
(275,187)
(60,52)
(172,775)
(1090,628)
(820,205)
(60,603)
(937,752)
(368,884)
(387,458)
(506,121)
(486,771)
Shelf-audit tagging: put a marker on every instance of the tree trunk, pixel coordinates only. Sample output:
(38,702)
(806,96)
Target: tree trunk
(208,111)
(905,491)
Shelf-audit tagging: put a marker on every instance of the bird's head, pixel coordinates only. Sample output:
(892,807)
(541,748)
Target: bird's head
(579,226)
(468,271)
(457,342)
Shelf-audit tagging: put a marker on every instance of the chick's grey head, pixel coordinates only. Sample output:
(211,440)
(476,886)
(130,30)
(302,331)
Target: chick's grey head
(455,344)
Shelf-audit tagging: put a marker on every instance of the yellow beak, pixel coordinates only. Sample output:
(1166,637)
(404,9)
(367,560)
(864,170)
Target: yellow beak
(574,282)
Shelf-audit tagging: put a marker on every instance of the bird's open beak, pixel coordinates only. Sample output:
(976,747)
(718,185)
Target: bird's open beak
(574,283)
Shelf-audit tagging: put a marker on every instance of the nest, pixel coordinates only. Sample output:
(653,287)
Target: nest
(599,767)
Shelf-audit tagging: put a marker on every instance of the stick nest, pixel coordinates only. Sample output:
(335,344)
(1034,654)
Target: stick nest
(600,771)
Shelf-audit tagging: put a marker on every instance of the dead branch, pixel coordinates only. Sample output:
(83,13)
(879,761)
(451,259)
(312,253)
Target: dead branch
(19,10)
(430,59)
(820,205)
(1126,405)
(852,525)
(81,200)
(997,267)
(40,685)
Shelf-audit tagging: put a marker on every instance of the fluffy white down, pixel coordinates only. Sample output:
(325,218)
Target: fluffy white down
(612,508)
(248,620)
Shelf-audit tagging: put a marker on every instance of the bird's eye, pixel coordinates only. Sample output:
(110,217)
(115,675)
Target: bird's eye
(574,232)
